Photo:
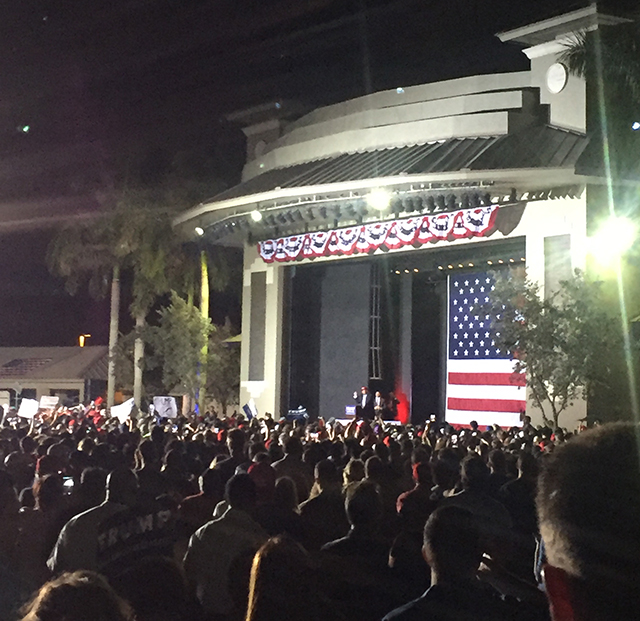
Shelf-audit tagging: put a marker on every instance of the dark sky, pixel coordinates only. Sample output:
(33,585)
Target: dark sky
(100,80)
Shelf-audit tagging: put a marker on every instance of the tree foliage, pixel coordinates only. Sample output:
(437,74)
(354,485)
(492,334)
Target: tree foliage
(562,340)
(223,368)
(178,341)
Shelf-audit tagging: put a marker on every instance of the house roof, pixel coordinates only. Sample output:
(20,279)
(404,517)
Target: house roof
(533,147)
(53,363)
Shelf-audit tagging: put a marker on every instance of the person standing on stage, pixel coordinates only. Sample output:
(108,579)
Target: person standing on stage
(364,403)
(378,404)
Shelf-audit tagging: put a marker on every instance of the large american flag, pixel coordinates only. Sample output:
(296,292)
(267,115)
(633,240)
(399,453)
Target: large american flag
(481,384)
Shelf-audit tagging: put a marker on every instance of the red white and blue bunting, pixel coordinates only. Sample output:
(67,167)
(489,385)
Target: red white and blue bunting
(391,235)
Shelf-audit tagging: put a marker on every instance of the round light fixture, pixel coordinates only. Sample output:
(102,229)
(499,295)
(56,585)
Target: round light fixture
(379,199)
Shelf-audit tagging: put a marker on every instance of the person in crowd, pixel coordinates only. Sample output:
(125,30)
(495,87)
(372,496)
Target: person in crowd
(117,533)
(196,511)
(323,516)
(285,585)
(352,473)
(494,520)
(77,596)
(358,562)
(157,590)
(453,551)
(40,528)
(588,506)
(292,466)
(282,515)
(236,441)
(220,552)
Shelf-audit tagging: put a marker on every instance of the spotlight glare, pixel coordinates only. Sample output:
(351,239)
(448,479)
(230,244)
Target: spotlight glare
(256,216)
(379,199)
(612,240)
(199,231)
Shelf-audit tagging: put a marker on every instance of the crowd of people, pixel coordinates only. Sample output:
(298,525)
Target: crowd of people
(202,518)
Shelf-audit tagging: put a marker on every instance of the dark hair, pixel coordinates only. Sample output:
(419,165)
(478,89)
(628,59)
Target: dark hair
(240,491)
(77,596)
(452,539)
(363,503)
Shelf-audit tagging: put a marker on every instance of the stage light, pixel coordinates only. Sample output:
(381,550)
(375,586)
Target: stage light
(490,262)
(512,260)
(612,240)
(450,267)
(199,231)
(406,271)
(399,90)
(379,199)
(397,271)
(460,265)
(416,270)
(470,264)
(440,267)
(500,261)
(522,259)
(635,126)
(256,216)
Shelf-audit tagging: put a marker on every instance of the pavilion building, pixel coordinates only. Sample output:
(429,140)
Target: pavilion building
(372,227)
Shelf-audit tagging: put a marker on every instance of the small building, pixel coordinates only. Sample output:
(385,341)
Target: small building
(367,224)
(75,374)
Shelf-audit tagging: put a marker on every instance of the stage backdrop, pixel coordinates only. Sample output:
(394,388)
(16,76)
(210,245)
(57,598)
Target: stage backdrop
(481,384)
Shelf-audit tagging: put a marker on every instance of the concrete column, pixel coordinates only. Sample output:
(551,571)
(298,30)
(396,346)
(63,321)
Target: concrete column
(261,353)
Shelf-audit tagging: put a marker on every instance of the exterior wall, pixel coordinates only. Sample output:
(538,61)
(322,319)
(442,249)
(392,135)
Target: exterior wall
(265,392)
(568,107)
(43,387)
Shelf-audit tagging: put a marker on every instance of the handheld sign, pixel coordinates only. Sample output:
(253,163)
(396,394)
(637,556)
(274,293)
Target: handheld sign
(49,403)
(123,411)
(28,408)
(165,407)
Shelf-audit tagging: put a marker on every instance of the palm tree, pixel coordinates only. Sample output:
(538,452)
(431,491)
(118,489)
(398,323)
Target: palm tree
(86,253)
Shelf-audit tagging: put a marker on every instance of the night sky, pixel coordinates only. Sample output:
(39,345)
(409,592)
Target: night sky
(87,85)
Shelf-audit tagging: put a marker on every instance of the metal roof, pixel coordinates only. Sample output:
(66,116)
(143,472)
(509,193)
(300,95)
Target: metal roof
(53,363)
(534,147)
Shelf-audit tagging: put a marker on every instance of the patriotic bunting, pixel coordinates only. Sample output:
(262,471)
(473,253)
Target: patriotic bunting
(390,235)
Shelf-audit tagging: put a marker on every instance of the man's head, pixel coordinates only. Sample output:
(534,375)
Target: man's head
(475,473)
(122,486)
(326,474)
(363,505)
(588,508)
(235,441)
(451,545)
(364,390)
(241,492)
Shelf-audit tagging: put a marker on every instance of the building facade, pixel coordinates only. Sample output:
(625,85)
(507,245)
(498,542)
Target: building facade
(361,220)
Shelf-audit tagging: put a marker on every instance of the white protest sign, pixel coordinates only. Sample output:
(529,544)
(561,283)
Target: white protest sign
(165,407)
(28,408)
(123,411)
(49,403)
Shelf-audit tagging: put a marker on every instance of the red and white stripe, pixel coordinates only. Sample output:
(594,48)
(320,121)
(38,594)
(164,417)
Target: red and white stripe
(487,391)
